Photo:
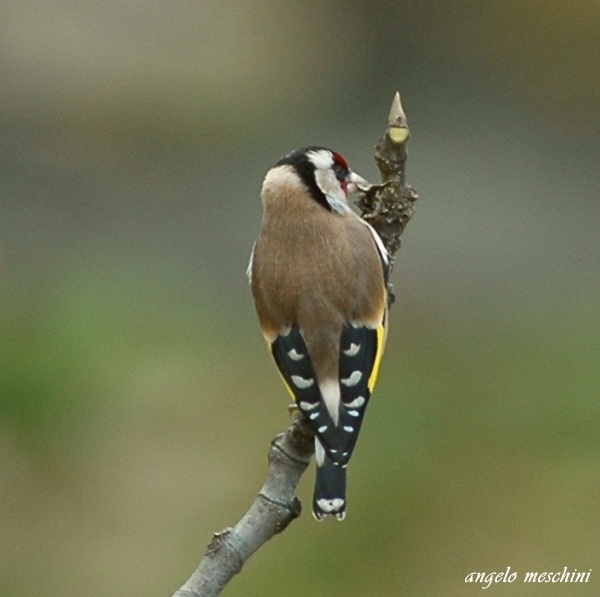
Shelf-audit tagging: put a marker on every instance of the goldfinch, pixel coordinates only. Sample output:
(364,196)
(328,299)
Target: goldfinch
(318,275)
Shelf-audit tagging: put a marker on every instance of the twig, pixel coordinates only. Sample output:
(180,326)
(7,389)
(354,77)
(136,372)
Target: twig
(387,207)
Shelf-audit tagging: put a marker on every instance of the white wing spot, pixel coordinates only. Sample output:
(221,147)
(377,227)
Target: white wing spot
(353,350)
(294,355)
(308,405)
(353,413)
(313,416)
(356,403)
(348,428)
(322,428)
(354,378)
(302,383)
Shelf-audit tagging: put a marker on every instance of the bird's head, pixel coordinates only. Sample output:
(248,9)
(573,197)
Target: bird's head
(324,174)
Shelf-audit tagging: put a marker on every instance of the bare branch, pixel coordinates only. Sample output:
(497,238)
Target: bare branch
(387,207)
(273,509)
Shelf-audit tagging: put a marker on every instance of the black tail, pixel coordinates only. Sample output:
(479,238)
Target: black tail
(330,489)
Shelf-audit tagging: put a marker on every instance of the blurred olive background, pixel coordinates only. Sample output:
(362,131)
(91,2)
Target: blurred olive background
(137,399)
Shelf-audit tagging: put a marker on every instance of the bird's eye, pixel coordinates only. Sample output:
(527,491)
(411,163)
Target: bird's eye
(340,167)
(341,173)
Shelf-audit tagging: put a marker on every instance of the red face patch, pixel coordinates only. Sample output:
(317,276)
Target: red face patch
(341,170)
(340,161)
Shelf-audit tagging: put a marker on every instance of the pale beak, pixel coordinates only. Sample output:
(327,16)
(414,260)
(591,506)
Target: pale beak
(357,183)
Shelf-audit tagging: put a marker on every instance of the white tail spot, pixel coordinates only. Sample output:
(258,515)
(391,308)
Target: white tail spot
(330,506)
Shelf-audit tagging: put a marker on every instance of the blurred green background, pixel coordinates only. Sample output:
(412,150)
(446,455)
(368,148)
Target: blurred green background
(137,400)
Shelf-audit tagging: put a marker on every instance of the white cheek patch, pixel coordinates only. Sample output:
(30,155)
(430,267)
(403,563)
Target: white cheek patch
(321,158)
(327,182)
(331,188)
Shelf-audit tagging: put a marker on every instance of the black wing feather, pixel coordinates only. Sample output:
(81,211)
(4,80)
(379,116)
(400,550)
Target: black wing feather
(358,350)
(298,371)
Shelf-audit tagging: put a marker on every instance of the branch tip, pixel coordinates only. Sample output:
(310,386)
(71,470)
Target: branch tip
(398,135)
(397,117)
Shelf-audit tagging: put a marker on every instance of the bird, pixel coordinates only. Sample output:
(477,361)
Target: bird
(318,275)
